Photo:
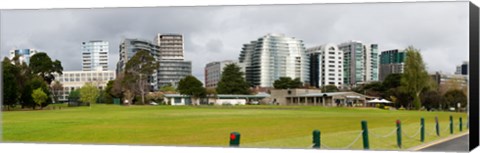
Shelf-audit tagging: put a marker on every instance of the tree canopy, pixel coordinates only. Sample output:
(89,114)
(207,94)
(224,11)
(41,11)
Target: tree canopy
(191,86)
(287,83)
(89,93)
(415,78)
(330,88)
(232,81)
(11,91)
(42,65)
(138,70)
(39,96)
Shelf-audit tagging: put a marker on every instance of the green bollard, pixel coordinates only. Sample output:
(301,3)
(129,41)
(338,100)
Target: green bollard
(461,124)
(316,139)
(399,134)
(422,129)
(437,126)
(451,124)
(234,139)
(365,135)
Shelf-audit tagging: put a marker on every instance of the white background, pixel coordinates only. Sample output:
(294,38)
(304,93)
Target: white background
(64,148)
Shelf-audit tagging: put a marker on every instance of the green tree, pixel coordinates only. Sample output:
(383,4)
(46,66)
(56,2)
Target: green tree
(415,78)
(433,99)
(34,83)
(287,83)
(11,91)
(452,97)
(74,96)
(42,65)
(330,88)
(89,93)
(138,69)
(392,81)
(168,89)
(191,86)
(39,96)
(232,81)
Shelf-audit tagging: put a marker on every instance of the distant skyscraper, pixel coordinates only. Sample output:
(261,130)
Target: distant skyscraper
(326,65)
(273,56)
(171,46)
(462,69)
(95,55)
(24,54)
(360,62)
(172,68)
(213,72)
(391,61)
(128,48)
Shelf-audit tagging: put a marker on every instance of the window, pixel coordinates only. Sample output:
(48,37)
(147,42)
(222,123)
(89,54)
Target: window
(177,100)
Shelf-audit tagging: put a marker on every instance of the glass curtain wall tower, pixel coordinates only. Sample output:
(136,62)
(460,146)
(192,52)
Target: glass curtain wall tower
(273,56)
(360,62)
(391,61)
(95,55)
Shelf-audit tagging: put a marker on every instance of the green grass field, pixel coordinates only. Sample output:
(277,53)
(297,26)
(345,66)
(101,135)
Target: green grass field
(260,126)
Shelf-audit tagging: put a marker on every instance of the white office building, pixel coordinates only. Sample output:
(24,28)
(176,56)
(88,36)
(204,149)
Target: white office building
(360,62)
(23,54)
(326,65)
(73,80)
(95,55)
(273,56)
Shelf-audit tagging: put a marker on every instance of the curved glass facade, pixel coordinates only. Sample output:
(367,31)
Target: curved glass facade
(273,56)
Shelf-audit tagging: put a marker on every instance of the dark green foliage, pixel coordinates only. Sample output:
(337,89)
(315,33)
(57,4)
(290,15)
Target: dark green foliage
(372,89)
(74,96)
(168,89)
(137,70)
(42,65)
(330,88)
(452,97)
(433,100)
(392,81)
(287,83)
(191,86)
(11,91)
(415,79)
(232,81)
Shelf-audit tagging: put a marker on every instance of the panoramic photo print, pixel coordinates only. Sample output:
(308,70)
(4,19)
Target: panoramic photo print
(365,76)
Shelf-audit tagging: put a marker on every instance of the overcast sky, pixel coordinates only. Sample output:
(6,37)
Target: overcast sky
(439,30)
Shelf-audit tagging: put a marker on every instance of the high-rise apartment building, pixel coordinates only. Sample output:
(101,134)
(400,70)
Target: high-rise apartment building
(128,48)
(95,55)
(171,46)
(360,62)
(172,68)
(326,65)
(273,56)
(213,72)
(23,54)
(391,61)
(462,69)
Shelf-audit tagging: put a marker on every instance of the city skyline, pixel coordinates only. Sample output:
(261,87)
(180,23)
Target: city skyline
(218,33)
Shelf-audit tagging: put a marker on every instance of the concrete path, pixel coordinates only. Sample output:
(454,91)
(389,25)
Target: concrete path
(456,143)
